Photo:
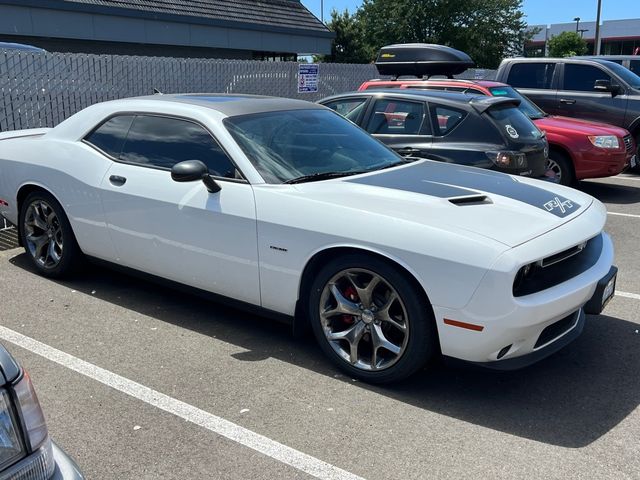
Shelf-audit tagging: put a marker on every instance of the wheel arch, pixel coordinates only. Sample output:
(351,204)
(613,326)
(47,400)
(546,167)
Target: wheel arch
(319,258)
(23,192)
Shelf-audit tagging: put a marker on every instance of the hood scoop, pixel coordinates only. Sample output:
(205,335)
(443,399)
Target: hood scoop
(470,200)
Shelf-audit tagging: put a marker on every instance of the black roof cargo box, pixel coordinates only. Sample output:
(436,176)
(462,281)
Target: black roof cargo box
(421,59)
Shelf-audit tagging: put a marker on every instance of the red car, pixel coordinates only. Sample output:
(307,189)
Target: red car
(578,149)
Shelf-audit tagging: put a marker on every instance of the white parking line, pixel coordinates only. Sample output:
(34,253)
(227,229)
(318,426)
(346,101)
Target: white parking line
(624,214)
(266,446)
(635,296)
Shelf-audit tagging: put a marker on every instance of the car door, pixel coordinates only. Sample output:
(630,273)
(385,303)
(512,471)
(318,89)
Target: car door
(538,81)
(181,231)
(400,124)
(578,99)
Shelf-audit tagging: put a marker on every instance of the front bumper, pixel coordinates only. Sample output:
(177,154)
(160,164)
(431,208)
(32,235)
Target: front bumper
(598,163)
(66,468)
(508,327)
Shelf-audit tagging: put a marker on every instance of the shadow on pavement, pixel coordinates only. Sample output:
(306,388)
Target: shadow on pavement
(612,193)
(570,399)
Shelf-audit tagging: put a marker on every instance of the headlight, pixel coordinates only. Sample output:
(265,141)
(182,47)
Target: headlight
(36,463)
(508,159)
(605,141)
(10,445)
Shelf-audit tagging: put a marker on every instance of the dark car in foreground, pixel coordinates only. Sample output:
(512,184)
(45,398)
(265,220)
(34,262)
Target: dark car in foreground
(26,450)
(484,132)
(584,88)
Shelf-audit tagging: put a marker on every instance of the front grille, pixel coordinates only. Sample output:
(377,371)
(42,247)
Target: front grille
(628,143)
(556,329)
(558,268)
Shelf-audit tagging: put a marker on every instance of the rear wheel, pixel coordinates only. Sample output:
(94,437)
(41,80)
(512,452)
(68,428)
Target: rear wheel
(560,169)
(47,236)
(370,319)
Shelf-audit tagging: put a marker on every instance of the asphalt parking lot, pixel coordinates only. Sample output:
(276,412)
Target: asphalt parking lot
(138,381)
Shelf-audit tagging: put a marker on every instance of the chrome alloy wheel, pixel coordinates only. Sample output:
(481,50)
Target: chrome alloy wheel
(364,319)
(553,171)
(43,234)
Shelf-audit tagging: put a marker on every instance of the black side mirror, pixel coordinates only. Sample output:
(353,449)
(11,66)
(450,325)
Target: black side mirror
(194,170)
(606,86)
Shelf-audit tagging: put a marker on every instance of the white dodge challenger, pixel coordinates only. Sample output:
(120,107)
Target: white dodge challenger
(286,206)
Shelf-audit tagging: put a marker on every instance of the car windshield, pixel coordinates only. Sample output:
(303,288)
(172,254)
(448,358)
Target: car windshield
(288,145)
(627,75)
(527,107)
(514,124)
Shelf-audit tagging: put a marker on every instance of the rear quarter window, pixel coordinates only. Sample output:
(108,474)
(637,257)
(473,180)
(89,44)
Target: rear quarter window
(445,119)
(531,75)
(110,136)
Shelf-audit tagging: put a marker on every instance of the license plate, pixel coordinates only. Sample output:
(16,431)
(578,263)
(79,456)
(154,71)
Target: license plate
(609,291)
(634,162)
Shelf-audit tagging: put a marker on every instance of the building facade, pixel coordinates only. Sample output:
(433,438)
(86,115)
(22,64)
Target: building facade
(617,37)
(239,29)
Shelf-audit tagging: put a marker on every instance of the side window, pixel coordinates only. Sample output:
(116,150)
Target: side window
(396,117)
(531,75)
(110,136)
(582,77)
(445,119)
(163,142)
(350,108)
(634,66)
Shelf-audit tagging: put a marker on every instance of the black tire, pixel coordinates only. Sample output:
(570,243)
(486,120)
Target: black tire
(636,169)
(68,256)
(421,343)
(565,165)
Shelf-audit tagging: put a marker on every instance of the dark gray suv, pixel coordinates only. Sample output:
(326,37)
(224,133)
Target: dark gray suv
(589,89)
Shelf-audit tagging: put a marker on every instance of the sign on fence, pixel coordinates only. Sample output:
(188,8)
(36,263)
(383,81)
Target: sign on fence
(308,78)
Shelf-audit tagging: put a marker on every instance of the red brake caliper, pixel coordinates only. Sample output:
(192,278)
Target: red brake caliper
(351,294)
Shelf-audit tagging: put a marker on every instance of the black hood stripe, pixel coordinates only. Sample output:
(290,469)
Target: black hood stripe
(446,181)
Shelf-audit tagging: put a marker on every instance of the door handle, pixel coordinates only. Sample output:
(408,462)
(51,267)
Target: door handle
(117,180)
(408,151)
(567,101)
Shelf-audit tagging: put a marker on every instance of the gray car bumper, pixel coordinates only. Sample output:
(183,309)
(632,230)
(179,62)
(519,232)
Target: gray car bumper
(66,468)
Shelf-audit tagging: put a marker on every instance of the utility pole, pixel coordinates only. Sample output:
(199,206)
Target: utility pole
(322,11)
(597,45)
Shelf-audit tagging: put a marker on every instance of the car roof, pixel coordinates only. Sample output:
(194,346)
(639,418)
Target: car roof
(608,57)
(480,103)
(233,104)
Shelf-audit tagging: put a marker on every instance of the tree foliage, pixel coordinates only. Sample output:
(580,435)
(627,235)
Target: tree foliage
(349,44)
(567,44)
(487,30)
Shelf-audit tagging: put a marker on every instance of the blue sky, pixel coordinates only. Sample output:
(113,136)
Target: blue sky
(537,11)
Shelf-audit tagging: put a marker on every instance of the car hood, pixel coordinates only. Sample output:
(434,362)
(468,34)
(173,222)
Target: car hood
(585,127)
(508,209)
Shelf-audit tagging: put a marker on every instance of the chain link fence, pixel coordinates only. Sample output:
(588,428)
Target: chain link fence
(42,89)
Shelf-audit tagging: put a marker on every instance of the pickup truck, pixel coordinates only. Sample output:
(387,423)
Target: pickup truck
(588,89)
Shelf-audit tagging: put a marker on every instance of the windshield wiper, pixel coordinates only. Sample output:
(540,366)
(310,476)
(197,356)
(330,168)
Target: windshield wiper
(321,176)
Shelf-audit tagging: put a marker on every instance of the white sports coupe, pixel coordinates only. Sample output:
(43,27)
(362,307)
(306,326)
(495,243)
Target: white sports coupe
(285,205)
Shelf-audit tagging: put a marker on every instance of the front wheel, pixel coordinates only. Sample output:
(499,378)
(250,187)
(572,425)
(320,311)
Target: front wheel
(559,169)
(370,319)
(47,236)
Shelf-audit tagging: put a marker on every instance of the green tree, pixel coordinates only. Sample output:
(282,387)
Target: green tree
(488,30)
(348,46)
(567,44)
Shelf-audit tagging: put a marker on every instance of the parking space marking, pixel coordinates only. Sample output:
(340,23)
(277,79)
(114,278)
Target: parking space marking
(624,214)
(248,438)
(627,295)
